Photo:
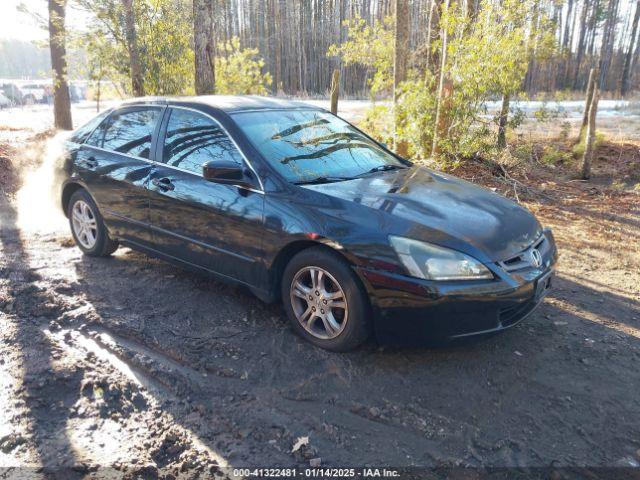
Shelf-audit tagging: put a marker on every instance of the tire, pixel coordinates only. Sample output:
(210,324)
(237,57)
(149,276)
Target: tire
(338,328)
(95,241)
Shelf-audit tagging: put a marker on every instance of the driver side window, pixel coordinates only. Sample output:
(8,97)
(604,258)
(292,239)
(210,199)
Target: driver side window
(193,139)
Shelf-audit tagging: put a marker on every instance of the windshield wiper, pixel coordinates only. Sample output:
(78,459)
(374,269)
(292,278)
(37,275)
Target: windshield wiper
(381,168)
(323,179)
(331,179)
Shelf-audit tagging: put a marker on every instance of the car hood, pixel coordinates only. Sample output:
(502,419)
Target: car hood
(442,209)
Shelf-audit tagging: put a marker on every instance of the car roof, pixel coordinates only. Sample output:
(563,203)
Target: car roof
(225,103)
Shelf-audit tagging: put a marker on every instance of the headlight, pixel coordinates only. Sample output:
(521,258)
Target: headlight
(430,262)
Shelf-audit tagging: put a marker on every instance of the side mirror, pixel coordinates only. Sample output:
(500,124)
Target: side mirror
(225,172)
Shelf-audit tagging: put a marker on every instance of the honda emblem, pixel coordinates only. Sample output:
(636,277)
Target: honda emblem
(535,258)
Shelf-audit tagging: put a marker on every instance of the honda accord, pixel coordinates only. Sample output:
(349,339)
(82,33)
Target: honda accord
(302,207)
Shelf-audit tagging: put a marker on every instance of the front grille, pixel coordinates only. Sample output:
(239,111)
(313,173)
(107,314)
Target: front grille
(523,259)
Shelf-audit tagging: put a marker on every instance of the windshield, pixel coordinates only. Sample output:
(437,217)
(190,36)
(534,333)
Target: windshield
(304,145)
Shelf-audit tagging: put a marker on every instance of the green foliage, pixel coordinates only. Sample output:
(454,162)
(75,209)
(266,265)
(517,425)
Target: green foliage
(164,39)
(378,123)
(523,151)
(515,119)
(416,110)
(164,36)
(240,71)
(487,58)
(578,148)
(562,95)
(620,185)
(100,66)
(552,156)
(371,47)
(545,114)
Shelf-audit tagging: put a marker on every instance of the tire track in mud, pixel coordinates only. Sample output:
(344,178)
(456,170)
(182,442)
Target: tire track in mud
(155,389)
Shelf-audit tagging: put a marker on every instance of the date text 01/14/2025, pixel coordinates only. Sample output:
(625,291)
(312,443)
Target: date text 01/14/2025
(317,472)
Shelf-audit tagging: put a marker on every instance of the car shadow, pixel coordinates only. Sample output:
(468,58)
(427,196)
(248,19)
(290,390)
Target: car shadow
(57,379)
(49,389)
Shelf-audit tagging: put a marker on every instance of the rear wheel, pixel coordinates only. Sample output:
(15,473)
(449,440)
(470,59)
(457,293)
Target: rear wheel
(324,300)
(87,226)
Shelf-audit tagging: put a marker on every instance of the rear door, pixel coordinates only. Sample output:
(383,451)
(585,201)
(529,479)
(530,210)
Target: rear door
(214,226)
(116,165)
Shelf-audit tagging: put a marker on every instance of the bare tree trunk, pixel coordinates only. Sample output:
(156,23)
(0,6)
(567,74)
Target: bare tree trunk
(635,58)
(137,80)
(581,43)
(567,26)
(401,56)
(335,91)
(589,141)
(204,46)
(57,45)
(502,121)
(280,31)
(568,68)
(561,80)
(303,52)
(532,46)
(433,29)
(608,40)
(626,69)
(587,102)
(593,26)
(440,120)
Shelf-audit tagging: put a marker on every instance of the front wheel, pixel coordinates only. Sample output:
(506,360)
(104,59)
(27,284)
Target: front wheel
(87,227)
(324,300)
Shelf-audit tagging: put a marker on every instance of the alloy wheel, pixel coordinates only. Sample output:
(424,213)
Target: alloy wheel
(84,224)
(319,302)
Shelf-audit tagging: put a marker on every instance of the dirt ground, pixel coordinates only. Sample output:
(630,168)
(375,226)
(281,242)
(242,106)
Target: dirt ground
(132,366)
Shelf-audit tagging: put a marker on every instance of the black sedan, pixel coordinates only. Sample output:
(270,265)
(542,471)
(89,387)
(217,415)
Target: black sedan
(299,205)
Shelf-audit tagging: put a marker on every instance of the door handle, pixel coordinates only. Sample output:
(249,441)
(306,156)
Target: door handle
(163,183)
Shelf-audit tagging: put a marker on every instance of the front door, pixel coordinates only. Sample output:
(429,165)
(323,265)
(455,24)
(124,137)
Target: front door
(217,227)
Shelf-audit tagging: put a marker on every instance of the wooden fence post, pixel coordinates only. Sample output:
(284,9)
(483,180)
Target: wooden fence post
(502,121)
(335,91)
(589,140)
(587,102)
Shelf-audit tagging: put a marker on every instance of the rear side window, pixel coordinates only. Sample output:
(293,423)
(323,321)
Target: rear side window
(127,132)
(193,139)
(82,133)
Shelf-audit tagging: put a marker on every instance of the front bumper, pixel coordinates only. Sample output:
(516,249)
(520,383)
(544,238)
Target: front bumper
(410,311)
